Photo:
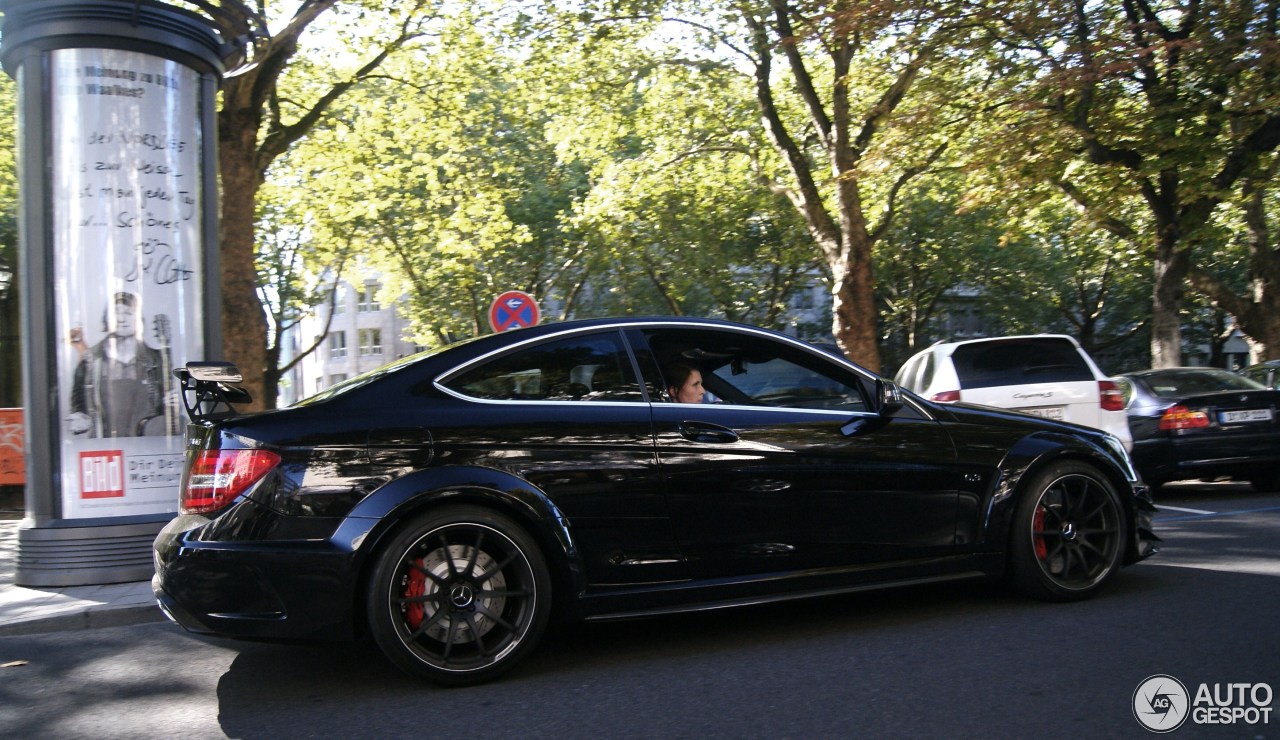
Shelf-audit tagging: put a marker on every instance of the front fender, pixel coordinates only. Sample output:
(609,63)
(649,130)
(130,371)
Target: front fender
(1033,453)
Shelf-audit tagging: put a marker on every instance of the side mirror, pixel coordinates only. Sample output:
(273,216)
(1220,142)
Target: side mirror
(888,397)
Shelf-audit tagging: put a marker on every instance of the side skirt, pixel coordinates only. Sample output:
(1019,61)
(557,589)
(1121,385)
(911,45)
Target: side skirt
(724,594)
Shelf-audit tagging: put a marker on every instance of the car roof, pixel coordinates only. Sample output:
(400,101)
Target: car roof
(951,346)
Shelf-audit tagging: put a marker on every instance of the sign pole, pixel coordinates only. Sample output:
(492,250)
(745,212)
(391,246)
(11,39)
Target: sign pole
(117,228)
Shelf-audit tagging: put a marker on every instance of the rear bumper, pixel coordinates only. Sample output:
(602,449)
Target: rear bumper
(273,591)
(1181,458)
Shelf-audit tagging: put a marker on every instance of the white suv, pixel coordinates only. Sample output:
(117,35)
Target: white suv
(1048,375)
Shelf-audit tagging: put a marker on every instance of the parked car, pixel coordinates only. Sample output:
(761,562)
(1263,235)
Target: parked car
(1203,423)
(1266,373)
(450,503)
(1046,375)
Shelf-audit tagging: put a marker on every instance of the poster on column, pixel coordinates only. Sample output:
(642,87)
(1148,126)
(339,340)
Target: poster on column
(126,222)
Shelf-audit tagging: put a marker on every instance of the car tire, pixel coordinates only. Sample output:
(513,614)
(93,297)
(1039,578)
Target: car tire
(458,596)
(1068,534)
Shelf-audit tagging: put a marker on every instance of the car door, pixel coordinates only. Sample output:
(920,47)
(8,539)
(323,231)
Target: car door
(567,414)
(788,467)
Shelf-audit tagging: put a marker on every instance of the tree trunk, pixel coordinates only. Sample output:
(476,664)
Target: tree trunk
(854,304)
(1171,270)
(244,323)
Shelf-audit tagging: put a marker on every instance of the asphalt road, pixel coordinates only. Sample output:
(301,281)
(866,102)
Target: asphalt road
(955,661)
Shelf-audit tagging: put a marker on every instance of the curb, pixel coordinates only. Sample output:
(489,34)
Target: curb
(85,618)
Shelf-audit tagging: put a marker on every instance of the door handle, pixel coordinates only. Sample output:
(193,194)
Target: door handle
(697,431)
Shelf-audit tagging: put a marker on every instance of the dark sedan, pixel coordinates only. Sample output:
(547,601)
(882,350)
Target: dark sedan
(1203,423)
(451,503)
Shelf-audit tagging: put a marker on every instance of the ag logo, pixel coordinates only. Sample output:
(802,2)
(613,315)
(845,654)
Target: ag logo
(1160,704)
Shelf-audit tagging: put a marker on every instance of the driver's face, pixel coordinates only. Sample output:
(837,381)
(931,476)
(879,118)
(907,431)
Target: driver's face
(691,391)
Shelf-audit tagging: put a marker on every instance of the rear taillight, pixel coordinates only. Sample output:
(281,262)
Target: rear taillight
(1178,416)
(945,396)
(1112,396)
(217,477)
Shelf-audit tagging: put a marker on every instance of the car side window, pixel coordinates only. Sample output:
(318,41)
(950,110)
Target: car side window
(594,367)
(748,370)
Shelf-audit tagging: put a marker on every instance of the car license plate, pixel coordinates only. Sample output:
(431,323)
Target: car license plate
(1046,412)
(1235,417)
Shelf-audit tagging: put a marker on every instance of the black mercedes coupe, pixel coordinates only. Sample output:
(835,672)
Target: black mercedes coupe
(450,504)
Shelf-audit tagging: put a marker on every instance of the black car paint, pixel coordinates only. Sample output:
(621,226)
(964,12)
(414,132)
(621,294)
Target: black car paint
(624,507)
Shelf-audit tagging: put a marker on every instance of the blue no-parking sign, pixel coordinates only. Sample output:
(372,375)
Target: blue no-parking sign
(513,310)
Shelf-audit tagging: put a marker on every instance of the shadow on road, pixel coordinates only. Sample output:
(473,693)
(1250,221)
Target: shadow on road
(965,659)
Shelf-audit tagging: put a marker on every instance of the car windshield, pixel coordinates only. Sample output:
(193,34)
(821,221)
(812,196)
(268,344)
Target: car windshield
(1178,383)
(1019,361)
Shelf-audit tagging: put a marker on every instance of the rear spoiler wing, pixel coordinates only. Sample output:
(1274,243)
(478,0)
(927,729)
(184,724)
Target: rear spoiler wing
(209,389)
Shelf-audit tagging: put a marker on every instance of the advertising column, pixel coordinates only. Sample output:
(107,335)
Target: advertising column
(126,243)
(115,129)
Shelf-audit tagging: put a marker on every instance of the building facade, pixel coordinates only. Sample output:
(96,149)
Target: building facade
(364,334)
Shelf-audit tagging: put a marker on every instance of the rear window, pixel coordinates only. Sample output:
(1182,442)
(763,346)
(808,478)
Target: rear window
(1019,362)
(1178,383)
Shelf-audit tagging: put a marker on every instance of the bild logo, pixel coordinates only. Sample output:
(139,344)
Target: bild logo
(1160,703)
(102,474)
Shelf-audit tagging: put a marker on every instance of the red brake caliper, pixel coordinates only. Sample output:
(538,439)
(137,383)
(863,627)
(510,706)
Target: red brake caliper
(1037,526)
(415,587)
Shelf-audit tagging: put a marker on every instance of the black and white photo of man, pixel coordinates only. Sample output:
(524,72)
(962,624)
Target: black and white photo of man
(120,383)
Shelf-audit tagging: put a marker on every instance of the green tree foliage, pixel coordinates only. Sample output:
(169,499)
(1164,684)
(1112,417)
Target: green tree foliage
(929,267)
(299,267)
(1148,114)
(676,221)
(835,86)
(272,99)
(439,170)
(10,354)
(1240,273)
(1044,164)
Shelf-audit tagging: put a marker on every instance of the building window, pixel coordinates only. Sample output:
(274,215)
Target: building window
(367,300)
(337,345)
(337,378)
(339,299)
(370,342)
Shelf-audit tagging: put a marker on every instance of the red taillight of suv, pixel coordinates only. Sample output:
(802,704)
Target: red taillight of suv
(1178,416)
(945,396)
(1111,396)
(217,477)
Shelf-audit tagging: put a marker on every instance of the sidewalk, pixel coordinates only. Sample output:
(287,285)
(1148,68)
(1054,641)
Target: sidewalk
(25,611)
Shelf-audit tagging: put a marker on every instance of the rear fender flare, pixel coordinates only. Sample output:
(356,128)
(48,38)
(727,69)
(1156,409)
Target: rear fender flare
(369,523)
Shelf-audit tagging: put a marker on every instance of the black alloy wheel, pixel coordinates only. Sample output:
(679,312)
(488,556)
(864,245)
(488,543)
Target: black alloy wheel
(1068,534)
(459,596)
